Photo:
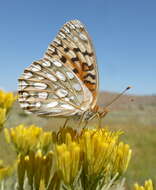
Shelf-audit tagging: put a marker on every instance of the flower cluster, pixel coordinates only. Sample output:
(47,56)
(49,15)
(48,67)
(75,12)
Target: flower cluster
(26,139)
(36,167)
(6,101)
(69,159)
(92,159)
(147,186)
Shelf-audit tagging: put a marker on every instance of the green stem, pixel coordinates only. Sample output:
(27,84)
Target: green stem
(2,185)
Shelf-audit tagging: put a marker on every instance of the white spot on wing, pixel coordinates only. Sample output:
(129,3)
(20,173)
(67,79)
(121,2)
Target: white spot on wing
(21,99)
(25,94)
(57,63)
(24,105)
(66,30)
(60,75)
(27,75)
(51,77)
(79,23)
(35,68)
(39,85)
(22,85)
(61,93)
(38,104)
(52,104)
(46,64)
(62,35)
(72,98)
(43,95)
(83,37)
(31,99)
(70,75)
(67,99)
(67,106)
(75,39)
(77,86)
(39,77)
(71,25)
(56,111)
(52,49)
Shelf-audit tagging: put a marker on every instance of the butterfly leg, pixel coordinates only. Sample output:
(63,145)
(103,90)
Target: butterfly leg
(86,123)
(99,120)
(81,119)
(65,123)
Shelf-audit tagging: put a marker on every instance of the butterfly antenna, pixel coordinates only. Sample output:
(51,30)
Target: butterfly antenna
(117,97)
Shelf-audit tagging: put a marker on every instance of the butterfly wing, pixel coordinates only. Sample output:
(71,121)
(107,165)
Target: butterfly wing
(74,48)
(48,87)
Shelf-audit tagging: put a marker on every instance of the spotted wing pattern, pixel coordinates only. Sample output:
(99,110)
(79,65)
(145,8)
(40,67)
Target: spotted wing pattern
(50,88)
(74,48)
(65,81)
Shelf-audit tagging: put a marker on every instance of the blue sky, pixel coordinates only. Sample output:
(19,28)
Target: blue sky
(123,33)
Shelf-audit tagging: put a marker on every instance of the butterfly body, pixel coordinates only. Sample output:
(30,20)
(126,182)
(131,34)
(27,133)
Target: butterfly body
(65,81)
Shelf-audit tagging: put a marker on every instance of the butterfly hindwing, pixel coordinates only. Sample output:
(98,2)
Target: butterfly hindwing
(48,87)
(74,48)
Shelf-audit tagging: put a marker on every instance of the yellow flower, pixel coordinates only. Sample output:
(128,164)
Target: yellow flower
(45,141)
(37,168)
(5,171)
(122,157)
(6,100)
(50,160)
(68,161)
(147,186)
(27,139)
(98,147)
(2,117)
(94,152)
(9,99)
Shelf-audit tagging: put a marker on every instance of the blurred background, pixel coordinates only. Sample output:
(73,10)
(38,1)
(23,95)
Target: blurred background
(124,37)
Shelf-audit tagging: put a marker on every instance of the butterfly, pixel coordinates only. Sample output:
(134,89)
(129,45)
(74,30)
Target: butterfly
(65,81)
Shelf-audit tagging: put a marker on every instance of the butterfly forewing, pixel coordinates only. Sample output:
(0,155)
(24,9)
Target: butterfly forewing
(74,48)
(51,88)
